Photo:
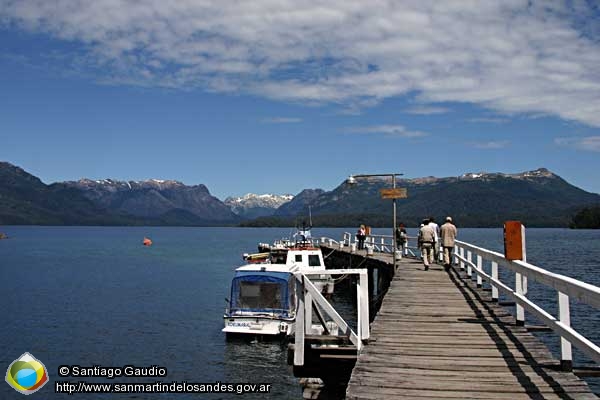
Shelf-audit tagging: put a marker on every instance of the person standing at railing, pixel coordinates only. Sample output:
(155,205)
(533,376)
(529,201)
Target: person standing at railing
(427,240)
(401,239)
(360,236)
(448,234)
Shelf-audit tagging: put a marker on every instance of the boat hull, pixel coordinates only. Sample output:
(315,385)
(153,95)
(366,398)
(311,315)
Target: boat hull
(324,283)
(258,325)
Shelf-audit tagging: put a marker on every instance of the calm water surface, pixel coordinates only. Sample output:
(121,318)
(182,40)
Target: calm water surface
(95,296)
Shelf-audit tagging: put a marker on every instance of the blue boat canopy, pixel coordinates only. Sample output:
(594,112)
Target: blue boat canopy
(262,291)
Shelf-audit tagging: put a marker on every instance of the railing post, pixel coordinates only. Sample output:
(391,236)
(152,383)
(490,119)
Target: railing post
(470,261)
(308,312)
(480,269)
(454,260)
(362,297)
(524,250)
(462,255)
(299,330)
(495,277)
(564,315)
(519,308)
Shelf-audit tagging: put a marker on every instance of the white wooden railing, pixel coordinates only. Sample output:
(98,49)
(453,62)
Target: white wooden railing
(307,294)
(381,243)
(471,258)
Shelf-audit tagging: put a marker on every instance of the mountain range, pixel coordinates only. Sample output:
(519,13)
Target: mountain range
(257,205)
(24,199)
(155,199)
(538,198)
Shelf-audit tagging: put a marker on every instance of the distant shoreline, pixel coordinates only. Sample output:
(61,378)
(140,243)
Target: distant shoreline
(266,226)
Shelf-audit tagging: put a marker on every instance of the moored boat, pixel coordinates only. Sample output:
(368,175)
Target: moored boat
(262,302)
(300,253)
(263,292)
(303,257)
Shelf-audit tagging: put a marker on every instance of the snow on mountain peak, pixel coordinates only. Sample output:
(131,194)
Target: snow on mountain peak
(537,173)
(240,205)
(113,184)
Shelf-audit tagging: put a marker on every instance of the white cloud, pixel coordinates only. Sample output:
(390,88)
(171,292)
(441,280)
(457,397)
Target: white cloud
(490,145)
(426,110)
(588,143)
(491,120)
(512,56)
(388,130)
(281,120)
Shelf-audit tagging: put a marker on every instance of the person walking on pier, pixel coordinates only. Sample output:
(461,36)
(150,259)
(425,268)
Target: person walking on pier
(436,240)
(360,236)
(427,240)
(448,234)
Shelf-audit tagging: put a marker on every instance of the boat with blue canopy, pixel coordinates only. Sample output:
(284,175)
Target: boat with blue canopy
(262,302)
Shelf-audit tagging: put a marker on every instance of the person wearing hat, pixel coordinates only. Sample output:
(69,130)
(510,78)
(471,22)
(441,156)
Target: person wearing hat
(448,233)
(427,241)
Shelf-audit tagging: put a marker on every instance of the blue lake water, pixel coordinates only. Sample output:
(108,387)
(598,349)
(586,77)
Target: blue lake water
(95,296)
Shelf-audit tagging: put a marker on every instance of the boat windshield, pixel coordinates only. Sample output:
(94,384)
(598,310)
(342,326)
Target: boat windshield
(263,292)
(260,295)
(278,256)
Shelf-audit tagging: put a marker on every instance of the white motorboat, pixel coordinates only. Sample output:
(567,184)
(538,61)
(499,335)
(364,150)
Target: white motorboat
(263,292)
(262,302)
(301,256)
(300,253)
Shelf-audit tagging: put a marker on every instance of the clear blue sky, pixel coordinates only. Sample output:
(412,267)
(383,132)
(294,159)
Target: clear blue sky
(270,97)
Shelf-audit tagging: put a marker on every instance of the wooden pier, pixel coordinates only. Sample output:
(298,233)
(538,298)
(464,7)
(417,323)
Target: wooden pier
(438,335)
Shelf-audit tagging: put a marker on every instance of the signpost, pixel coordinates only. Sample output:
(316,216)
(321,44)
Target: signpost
(394,193)
(389,193)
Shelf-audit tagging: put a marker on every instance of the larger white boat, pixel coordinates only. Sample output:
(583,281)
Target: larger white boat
(298,253)
(302,256)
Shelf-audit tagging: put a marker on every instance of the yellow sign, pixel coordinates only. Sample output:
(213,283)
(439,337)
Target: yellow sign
(397,193)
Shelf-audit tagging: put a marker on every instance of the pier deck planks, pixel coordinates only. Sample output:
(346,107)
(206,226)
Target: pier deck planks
(437,336)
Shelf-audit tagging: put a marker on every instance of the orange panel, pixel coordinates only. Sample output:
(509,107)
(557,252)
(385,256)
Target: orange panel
(397,193)
(513,240)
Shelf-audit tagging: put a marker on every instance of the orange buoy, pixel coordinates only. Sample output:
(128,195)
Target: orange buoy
(147,242)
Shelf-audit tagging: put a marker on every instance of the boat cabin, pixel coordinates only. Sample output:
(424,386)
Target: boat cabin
(262,302)
(301,257)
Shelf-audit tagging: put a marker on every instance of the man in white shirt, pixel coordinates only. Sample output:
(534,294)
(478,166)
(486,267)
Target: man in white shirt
(436,231)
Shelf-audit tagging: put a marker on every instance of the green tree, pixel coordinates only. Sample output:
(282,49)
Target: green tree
(588,218)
